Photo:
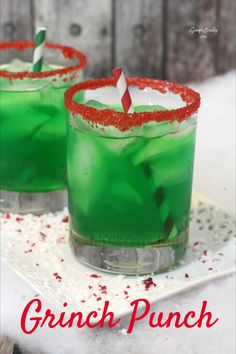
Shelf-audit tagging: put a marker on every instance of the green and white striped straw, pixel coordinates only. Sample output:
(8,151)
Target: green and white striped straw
(38,51)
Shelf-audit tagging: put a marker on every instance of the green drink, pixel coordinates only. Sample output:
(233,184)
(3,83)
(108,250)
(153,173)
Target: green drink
(33,128)
(130,176)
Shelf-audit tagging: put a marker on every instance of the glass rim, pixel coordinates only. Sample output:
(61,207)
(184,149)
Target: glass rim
(124,121)
(68,52)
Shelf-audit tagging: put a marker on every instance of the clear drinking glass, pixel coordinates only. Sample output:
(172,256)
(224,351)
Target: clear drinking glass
(130,175)
(33,126)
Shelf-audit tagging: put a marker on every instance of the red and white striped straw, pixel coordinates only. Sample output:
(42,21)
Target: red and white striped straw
(123,90)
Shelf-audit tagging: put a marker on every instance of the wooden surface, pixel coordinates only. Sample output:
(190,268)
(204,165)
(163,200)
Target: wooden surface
(147,37)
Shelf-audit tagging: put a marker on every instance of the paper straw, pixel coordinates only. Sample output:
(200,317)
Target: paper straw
(38,51)
(123,90)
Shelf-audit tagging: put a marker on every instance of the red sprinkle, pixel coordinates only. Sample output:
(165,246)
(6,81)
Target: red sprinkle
(103,289)
(57,276)
(195,243)
(65,219)
(43,236)
(128,286)
(19,219)
(148,282)
(48,226)
(186,275)
(99,298)
(220,254)
(29,251)
(90,287)
(125,292)
(82,301)
(7,216)
(95,276)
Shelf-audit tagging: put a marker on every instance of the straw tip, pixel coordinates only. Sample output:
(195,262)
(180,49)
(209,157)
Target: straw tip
(41,29)
(117,71)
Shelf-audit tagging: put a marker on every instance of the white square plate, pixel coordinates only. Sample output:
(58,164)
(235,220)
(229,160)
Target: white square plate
(37,248)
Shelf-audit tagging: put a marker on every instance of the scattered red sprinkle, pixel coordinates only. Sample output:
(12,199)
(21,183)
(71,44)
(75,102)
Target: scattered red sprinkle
(126,297)
(148,282)
(99,309)
(95,276)
(210,268)
(82,301)
(103,289)
(57,276)
(195,243)
(186,275)
(125,292)
(128,286)
(48,226)
(19,219)
(90,287)
(7,216)
(99,298)
(65,219)
(33,244)
(29,251)
(43,236)
(95,295)
(220,254)
(61,239)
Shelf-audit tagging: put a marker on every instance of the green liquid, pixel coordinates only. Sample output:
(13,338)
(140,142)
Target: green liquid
(33,138)
(113,186)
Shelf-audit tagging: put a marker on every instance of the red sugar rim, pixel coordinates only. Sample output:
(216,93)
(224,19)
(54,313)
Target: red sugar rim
(68,52)
(125,121)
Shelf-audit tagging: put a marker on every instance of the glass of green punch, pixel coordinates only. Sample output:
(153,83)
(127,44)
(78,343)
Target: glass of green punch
(33,125)
(130,175)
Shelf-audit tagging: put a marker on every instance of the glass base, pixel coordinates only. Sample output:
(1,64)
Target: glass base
(34,203)
(130,261)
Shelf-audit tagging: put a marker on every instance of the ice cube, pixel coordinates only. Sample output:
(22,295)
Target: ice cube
(97,104)
(17,65)
(149,108)
(151,150)
(122,193)
(86,172)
